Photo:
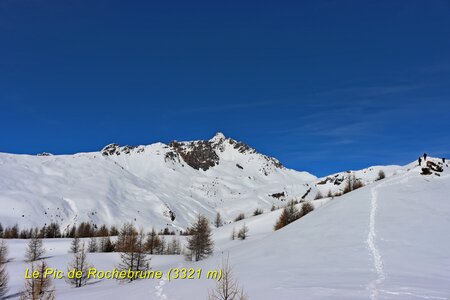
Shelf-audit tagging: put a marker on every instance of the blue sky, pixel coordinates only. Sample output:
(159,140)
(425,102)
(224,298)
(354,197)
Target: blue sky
(324,86)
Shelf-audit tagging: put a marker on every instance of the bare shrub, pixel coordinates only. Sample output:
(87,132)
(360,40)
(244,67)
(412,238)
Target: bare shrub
(381,175)
(258,211)
(239,217)
(228,287)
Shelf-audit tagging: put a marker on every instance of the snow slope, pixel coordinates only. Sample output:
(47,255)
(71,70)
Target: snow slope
(160,185)
(387,240)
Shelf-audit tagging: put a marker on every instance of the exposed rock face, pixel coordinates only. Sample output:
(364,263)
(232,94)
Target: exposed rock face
(436,167)
(115,149)
(111,149)
(198,155)
(278,195)
(336,180)
(44,154)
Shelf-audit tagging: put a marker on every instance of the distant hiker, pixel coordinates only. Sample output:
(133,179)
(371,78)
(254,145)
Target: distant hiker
(443,160)
(424,156)
(420,161)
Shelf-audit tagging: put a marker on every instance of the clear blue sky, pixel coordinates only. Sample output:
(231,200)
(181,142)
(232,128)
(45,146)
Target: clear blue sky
(324,86)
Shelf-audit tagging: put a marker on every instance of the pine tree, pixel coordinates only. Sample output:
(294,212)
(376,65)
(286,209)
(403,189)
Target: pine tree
(174,247)
(153,242)
(105,244)
(200,243)
(79,263)
(233,234)
(53,231)
(161,249)
(35,248)
(75,245)
(132,246)
(1,230)
(72,232)
(3,273)
(113,231)
(218,222)
(103,231)
(126,238)
(228,287)
(92,246)
(40,288)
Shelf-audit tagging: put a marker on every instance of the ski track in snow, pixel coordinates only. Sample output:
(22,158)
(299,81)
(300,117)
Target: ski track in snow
(377,258)
(373,286)
(375,253)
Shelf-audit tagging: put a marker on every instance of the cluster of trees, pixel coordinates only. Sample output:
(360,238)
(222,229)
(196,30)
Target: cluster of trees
(258,211)
(134,247)
(291,213)
(241,234)
(239,217)
(40,288)
(154,243)
(352,184)
(53,230)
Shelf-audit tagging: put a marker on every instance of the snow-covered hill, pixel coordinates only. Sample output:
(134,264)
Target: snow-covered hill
(160,185)
(386,240)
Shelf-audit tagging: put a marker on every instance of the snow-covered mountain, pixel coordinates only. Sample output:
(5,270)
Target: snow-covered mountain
(155,185)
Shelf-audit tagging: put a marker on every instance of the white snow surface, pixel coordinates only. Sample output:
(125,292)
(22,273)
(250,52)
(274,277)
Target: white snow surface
(142,186)
(386,240)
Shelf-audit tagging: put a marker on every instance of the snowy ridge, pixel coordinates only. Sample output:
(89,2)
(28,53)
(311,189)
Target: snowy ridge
(158,184)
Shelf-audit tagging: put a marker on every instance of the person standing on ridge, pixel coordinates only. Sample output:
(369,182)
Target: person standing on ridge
(424,156)
(420,161)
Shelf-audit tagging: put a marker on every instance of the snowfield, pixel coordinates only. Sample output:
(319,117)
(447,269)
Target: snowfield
(386,240)
(150,185)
